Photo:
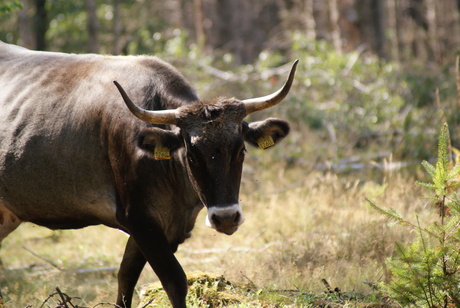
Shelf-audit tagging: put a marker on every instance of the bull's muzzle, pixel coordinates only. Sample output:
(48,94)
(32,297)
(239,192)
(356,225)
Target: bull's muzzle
(225,219)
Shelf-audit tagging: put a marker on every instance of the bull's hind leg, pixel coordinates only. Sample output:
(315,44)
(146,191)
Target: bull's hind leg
(8,222)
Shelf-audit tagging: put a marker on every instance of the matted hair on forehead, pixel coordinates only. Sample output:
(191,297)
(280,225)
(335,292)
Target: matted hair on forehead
(222,109)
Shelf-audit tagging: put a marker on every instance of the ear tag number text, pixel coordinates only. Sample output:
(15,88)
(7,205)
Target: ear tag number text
(161,153)
(265,142)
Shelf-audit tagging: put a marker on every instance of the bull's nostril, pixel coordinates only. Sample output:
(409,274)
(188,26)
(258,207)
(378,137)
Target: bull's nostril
(216,220)
(236,220)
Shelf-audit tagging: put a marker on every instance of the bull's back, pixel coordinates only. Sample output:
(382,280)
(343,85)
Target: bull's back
(57,112)
(53,154)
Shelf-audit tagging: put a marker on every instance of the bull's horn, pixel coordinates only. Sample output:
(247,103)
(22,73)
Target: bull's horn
(264,102)
(150,116)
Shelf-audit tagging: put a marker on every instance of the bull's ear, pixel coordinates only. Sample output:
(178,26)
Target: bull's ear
(265,134)
(159,143)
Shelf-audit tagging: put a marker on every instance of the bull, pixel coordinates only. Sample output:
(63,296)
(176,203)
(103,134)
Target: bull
(72,155)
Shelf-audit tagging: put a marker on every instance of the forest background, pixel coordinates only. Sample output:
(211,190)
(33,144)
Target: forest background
(375,82)
(400,50)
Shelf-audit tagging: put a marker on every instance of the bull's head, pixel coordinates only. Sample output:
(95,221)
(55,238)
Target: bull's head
(213,136)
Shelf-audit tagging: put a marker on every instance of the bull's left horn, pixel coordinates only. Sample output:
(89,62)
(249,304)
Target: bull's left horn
(264,102)
(150,116)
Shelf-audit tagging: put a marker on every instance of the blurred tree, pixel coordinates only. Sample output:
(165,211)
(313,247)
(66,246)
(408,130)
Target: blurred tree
(41,24)
(392,33)
(117,28)
(309,19)
(378,14)
(428,30)
(199,25)
(25,25)
(241,27)
(93,27)
(349,25)
(334,17)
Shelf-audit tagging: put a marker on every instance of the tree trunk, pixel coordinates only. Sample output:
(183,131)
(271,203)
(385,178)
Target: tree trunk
(349,25)
(310,24)
(334,17)
(116,27)
(41,25)
(25,26)
(392,30)
(93,40)
(448,24)
(378,10)
(199,25)
(431,16)
(321,13)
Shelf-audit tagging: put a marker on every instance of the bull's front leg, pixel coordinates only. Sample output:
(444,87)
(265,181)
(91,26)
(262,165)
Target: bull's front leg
(130,270)
(152,242)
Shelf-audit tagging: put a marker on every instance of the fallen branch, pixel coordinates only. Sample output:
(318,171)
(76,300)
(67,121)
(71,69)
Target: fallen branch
(148,303)
(252,284)
(43,258)
(106,303)
(65,298)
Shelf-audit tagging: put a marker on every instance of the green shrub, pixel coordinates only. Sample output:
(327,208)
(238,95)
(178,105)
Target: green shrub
(8,6)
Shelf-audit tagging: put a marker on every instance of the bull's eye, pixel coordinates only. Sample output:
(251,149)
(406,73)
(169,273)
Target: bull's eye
(190,158)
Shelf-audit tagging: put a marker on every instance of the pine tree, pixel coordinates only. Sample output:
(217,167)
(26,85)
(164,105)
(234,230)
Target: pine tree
(425,273)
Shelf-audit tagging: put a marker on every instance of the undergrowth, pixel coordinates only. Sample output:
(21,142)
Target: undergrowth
(213,291)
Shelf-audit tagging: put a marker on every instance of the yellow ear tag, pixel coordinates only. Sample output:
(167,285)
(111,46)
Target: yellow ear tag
(265,142)
(161,153)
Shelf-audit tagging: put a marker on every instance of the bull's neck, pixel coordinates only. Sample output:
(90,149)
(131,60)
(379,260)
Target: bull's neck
(184,202)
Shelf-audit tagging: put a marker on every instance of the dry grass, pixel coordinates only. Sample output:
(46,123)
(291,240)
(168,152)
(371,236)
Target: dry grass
(301,226)
(295,235)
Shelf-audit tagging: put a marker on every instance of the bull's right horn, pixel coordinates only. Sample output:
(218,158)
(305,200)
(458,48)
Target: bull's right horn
(150,116)
(264,102)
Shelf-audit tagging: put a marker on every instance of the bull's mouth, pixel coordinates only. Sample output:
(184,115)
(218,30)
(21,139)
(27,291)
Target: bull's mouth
(229,226)
(225,219)
(228,231)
